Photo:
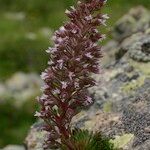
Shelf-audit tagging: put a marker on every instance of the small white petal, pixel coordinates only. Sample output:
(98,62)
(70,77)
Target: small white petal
(88,100)
(78,59)
(43,97)
(74,31)
(102,21)
(54,50)
(95,44)
(37,114)
(103,37)
(60,63)
(55,107)
(44,75)
(105,16)
(85,65)
(56,45)
(47,107)
(72,7)
(59,40)
(76,84)
(44,87)
(54,37)
(105,1)
(48,103)
(51,50)
(64,85)
(62,29)
(50,62)
(89,17)
(60,66)
(78,2)
(57,91)
(57,129)
(71,74)
(67,125)
(95,30)
(48,51)
(67,11)
(88,55)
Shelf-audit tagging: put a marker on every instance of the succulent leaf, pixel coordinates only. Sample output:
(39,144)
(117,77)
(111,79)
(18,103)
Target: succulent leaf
(85,140)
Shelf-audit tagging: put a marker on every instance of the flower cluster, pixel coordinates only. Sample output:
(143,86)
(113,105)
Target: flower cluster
(73,58)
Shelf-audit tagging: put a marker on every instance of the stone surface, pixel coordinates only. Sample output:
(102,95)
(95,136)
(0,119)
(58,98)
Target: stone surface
(35,139)
(20,88)
(136,20)
(122,141)
(136,46)
(122,99)
(13,147)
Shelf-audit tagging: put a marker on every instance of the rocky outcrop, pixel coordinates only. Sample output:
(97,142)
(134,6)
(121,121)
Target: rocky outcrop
(136,46)
(20,88)
(136,20)
(35,138)
(122,101)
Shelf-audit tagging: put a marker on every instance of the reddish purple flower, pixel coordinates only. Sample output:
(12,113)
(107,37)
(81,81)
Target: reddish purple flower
(73,58)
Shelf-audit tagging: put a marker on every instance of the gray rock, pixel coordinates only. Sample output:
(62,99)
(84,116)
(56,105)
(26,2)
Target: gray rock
(36,137)
(136,20)
(23,81)
(136,47)
(144,146)
(20,88)
(13,147)
(140,50)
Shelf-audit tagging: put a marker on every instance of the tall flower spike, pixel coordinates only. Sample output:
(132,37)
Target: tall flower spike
(73,58)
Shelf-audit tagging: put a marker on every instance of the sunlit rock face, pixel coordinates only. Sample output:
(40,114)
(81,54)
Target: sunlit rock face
(122,101)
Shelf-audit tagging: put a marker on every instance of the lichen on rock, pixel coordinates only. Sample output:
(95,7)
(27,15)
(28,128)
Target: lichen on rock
(136,20)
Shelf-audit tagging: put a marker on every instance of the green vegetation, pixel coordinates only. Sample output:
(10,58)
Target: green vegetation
(131,86)
(15,122)
(84,140)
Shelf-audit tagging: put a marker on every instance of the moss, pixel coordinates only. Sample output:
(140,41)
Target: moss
(107,107)
(133,85)
(122,141)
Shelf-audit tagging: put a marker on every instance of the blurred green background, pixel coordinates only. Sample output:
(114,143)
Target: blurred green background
(26,27)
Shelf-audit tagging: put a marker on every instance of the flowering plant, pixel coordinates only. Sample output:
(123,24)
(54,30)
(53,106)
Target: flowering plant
(73,58)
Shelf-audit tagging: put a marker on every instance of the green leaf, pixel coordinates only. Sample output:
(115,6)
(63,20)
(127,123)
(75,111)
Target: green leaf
(85,140)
